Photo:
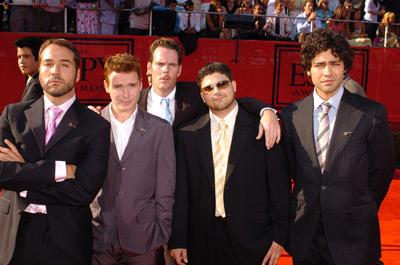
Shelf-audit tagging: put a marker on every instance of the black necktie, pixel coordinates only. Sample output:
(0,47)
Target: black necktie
(277,25)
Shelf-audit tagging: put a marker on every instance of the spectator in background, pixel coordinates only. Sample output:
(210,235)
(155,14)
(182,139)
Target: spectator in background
(4,15)
(261,26)
(245,9)
(335,3)
(28,54)
(214,21)
(348,5)
(355,31)
(139,18)
(22,17)
(189,23)
(171,4)
(279,26)
(109,18)
(306,20)
(87,19)
(323,11)
(71,15)
(230,6)
(372,11)
(52,15)
(337,26)
(392,40)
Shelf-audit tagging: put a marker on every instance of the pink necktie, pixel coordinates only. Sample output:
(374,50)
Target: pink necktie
(54,113)
(323,135)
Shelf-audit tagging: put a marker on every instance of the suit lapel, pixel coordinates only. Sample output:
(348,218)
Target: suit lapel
(203,141)
(105,113)
(347,119)
(35,119)
(180,114)
(68,123)
(139,129)
(142,102)
(239,140)
(303,123)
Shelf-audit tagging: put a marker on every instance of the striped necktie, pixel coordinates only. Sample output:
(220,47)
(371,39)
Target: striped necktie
(54,113)
(323,135)
(221,154)
(166,114)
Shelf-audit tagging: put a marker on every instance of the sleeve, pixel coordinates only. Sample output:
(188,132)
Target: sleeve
(252,105)
(89,175)
(380,156)
(302,25)
(197,24)
(180,220)
(21,176)
(181,23)
(288,25)
(165,182)
(279,193)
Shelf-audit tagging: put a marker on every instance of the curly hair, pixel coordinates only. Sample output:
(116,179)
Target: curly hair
(121,63)
(321,40)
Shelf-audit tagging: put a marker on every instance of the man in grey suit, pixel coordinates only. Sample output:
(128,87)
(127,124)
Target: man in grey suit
(341,158)
(27,54)
(133,212)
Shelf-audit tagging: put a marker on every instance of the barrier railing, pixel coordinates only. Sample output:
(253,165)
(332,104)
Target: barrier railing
(205,13)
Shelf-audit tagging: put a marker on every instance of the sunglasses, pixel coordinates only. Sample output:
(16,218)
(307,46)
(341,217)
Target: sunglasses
(220,85)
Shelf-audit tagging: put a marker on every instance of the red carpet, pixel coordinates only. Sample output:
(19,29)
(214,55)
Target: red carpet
(389,216)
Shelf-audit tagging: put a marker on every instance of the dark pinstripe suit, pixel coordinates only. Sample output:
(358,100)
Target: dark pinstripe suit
(359,169)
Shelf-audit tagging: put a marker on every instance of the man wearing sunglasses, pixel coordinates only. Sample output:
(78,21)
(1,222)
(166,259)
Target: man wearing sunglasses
(232,194)
(180,102)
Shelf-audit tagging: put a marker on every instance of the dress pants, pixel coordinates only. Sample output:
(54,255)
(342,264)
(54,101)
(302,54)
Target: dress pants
(34,245)
(114,255)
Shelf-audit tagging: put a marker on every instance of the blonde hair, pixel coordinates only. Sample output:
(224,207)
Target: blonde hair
(386,16)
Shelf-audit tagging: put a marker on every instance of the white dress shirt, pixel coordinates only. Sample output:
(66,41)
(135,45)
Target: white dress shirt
(122,131)
(194,21)
(154,105)
(302,24)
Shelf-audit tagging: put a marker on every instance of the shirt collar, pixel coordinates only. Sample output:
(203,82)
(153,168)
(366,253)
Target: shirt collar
(130,119)
(157,98)
(64,107)
(334,100)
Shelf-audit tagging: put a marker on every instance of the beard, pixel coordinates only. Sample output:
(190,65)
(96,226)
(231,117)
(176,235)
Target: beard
(58,90)
(219,106)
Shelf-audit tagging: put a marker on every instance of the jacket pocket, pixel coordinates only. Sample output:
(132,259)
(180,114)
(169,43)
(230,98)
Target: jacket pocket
(4,205)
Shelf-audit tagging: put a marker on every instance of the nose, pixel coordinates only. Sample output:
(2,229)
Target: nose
(21,60)
(165,68)
(327,70)
(125,92)
(55,70)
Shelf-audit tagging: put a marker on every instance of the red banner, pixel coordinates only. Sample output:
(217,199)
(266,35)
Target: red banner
(266,70)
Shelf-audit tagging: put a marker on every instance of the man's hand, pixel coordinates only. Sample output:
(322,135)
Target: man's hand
(179,255)
(71,171)
(270,125)
(5,4)
(95,109)
(273,254)
(12,154)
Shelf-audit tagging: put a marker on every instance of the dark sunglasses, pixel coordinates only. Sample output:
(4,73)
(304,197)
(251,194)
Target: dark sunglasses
(220,85)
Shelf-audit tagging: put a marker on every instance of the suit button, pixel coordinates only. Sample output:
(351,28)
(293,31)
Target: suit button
(324,187)
(118,193)
(121,169)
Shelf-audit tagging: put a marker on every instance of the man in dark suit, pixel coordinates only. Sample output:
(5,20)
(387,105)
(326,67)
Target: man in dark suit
(27,54)
(51,224)
(232,194)
(341,158)
(133,212)
(185,103)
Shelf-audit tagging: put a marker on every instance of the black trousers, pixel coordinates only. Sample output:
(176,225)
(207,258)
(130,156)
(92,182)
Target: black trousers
(34,245)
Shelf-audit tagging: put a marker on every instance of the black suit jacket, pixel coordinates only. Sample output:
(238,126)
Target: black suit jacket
(256,195)
(82,138)
(357,175)
(33,89)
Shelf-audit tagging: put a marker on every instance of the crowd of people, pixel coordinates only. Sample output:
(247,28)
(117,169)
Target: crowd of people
(283,20)
(188,167)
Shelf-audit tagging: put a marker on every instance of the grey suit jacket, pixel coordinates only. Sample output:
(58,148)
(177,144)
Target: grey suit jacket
(357,175)
(33,89)
(138,194)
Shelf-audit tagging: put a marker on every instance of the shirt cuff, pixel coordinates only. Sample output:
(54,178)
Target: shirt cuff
(60,171)
(23,193)
(268,108)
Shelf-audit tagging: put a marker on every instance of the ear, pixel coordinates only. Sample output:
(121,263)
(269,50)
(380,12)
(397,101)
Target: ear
(106,86)
(149,68)
(234,85)
(179,70)
(308,74)
(202,97)
(78,76)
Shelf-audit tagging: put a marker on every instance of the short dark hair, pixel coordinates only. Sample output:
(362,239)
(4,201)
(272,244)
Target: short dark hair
(168,2)
(30,42)
(166,43)
(64,43)
(121,63)
(321,40)
(211,68)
